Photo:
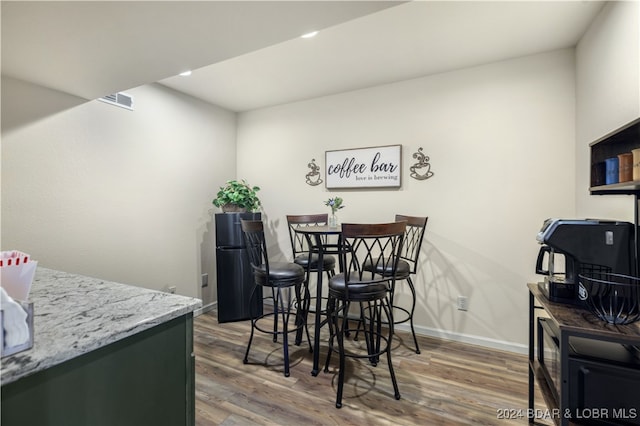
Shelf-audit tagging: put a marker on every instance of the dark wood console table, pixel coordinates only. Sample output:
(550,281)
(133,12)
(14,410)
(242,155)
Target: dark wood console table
(571,322)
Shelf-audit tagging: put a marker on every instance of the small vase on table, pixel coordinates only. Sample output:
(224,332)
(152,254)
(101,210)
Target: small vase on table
(333,220)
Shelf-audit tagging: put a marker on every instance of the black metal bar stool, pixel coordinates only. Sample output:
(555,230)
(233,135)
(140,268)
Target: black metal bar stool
(379,245)
(282,278)
(407,266)
(302,250)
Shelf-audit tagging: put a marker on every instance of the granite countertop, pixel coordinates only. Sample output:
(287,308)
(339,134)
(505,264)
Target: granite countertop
(75,314)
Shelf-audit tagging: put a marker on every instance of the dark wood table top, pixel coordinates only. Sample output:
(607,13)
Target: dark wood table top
(319,229)
(580,320)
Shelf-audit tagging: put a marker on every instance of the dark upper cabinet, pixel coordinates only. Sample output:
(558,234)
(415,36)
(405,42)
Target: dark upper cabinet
(622,140)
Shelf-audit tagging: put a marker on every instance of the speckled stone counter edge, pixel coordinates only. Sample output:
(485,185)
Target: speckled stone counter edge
(75,314)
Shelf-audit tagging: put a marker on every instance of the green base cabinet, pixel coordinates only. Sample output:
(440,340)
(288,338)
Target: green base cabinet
(144,379)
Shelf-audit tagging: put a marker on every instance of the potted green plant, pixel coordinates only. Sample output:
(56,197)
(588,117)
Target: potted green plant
(237,196)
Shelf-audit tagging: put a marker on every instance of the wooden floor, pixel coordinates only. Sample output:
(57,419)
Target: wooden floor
(449,383)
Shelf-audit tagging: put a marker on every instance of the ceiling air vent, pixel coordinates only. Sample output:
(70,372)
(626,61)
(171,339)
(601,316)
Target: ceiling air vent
(119,99)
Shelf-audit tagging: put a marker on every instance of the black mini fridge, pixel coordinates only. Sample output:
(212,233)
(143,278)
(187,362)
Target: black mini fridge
(233,271)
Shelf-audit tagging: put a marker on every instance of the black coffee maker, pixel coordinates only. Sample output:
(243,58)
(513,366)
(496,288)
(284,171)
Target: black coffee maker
(583,246)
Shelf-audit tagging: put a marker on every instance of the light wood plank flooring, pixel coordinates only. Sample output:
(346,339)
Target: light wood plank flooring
(449,383)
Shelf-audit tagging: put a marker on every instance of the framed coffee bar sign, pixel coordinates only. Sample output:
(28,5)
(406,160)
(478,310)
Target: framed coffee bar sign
(377,167)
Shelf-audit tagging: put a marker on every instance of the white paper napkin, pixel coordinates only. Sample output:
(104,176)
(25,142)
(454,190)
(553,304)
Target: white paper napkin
(14,321)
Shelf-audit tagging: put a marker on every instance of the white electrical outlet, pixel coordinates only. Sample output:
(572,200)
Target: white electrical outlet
(463,303)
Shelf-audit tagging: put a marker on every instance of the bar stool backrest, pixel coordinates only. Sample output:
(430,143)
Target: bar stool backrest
(299,243)
(256,245)
(377,244)
(413,237)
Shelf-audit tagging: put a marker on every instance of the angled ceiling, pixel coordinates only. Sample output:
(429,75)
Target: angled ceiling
(248,54)
(403,42)
(93,48)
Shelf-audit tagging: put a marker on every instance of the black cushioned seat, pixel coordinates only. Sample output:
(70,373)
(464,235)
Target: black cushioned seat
(280,274)
(358,289)
(328,262)
(402,272)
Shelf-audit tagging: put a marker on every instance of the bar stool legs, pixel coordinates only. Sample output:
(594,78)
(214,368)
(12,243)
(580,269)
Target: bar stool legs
(376,343)
(413,308)
(281,314)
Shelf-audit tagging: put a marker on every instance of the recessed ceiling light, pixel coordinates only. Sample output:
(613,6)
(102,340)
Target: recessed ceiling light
(186,73)
(309,35)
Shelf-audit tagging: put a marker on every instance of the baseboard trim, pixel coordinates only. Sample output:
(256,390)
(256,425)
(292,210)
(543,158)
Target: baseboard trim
(468,338)
(206,308)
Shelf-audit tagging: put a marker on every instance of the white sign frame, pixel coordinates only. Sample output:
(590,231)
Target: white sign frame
(372,167)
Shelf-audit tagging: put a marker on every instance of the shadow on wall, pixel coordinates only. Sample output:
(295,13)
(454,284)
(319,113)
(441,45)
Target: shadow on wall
(441,279)
(275,241)
(441,283)
(24,103)
(206,235)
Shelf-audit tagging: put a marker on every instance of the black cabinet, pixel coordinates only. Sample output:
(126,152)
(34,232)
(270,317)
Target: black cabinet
(233,271)
(587,370)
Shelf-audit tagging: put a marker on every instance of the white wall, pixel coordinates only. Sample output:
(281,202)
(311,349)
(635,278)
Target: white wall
(608,96)
(118,194)
(501,142)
